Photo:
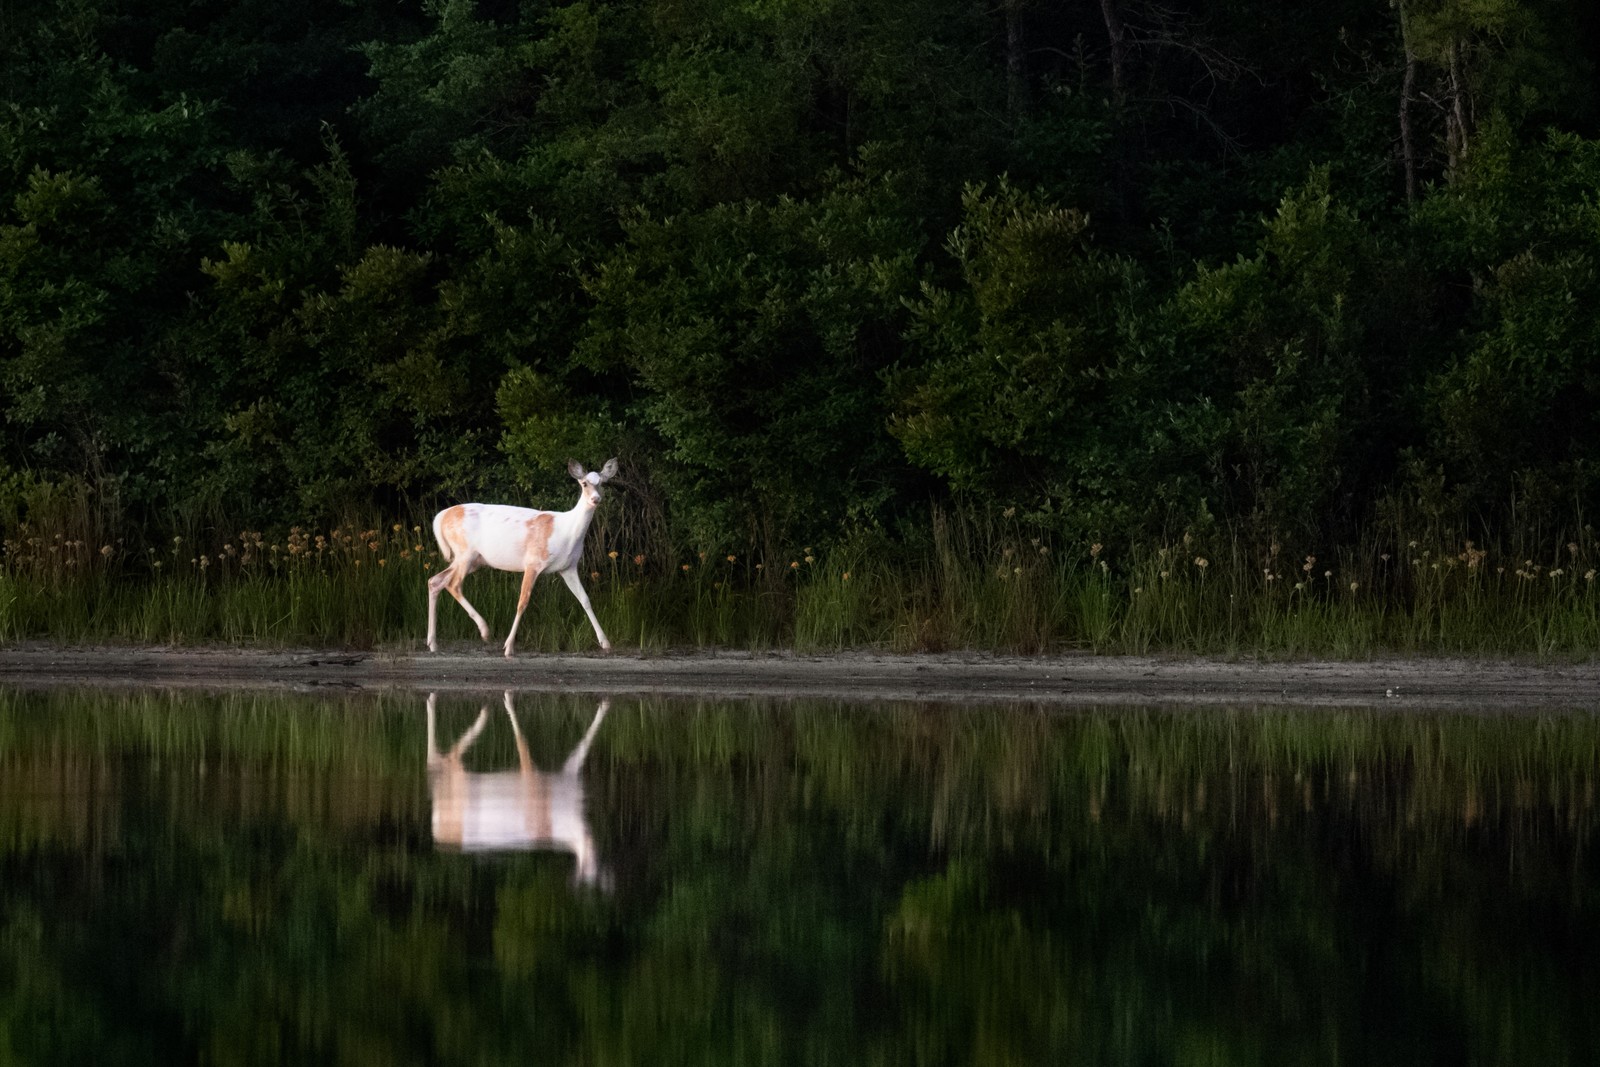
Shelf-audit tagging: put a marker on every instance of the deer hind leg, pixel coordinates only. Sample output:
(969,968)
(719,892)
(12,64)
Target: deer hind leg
(528,575)
(574,583)
(450,580)
(437,759)
(434,758)
(464,742)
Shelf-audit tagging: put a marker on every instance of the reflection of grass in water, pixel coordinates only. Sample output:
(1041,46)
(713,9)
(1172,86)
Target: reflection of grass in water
(958,767)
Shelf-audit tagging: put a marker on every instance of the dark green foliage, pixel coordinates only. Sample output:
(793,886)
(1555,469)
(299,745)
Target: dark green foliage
(754,335)
(1133,268)
(1516,401)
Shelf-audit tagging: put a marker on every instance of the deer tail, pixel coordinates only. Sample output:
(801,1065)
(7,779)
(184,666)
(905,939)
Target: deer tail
(438,535)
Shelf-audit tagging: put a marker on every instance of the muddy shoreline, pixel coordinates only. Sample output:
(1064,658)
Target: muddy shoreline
(964,678)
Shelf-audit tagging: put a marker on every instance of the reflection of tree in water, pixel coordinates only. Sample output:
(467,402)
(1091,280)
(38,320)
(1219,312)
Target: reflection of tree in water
(252,878)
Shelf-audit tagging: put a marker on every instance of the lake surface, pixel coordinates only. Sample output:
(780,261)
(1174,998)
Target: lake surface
(264,878)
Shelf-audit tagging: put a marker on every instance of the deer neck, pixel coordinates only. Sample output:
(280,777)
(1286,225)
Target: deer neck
(581,515)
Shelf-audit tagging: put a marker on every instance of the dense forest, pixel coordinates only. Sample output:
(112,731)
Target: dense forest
(1130,267)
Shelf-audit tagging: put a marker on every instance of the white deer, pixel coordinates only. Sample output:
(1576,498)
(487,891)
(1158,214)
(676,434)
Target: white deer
(516,539)
(512,810)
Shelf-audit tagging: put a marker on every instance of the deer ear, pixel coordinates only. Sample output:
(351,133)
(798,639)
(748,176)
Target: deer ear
(609,470)
(575,469)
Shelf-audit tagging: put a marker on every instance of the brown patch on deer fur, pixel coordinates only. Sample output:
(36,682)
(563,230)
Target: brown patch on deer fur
(540,527)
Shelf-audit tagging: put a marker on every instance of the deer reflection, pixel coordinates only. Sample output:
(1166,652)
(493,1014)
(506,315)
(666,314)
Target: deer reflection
(512,810)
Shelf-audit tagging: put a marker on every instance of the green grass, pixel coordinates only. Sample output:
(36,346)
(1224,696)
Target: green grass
(970,584)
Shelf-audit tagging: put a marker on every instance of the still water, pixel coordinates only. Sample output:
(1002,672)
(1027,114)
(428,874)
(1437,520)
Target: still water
(477,878)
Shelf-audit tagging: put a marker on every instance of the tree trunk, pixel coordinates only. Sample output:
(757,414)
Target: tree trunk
(1117,36)
(1123,193)
(1408,151)
(1016,60)
(1456,119)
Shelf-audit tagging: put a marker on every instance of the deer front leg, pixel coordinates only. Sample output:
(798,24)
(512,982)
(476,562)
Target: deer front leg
(574,762)
(574,583)
(528,576)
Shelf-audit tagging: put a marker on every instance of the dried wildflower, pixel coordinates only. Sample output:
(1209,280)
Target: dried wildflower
(612,554)
(1202,562)
(732,558)
(1094,550)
